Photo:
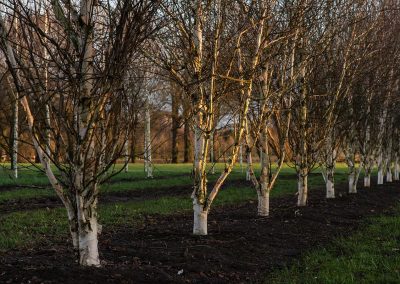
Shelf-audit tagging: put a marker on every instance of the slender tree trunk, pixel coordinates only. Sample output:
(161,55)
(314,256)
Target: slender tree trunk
(352,184)
(330,168)
(86,210)
(126,162)
(351,164)
(174,125)
(330,183)
(212,153)
(249,163)
(133,147)
(46,106)
(367,180)
(389,176)
(73,227)
(263,192)
(303,175)
(396,168)
(147,144)
(302,187)
(15,135)
(47,141)
(241,157)
(367,177)
(200,184)
(380,169)
(186,143)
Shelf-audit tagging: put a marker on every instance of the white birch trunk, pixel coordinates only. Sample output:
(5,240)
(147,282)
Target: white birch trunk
(249,163)
(263,204)
(126,146)
(330,189)
(47,107)
(303,172)
(73,227)
(330,169)
(389,177)
(396,169)
(147,143)
(198,195)
(368,165)
(352,182)
(15,134)
(212,152)
(302,186)
(380,169)
(88,227)
(263,192)
(199,219)
(47,142)
(367,180)
(241,157)
(88,243)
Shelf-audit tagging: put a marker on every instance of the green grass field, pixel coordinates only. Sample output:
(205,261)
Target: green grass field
(371,255)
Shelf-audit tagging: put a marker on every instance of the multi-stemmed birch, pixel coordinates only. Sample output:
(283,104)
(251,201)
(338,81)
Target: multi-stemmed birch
(84,94)
(269,118)
(212,36)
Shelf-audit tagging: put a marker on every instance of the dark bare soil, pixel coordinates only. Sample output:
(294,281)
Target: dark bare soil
(239,248)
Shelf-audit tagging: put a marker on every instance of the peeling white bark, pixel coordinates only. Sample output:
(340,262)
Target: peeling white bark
(302,187)
(380,169)
(73,227)
(389,177)
(147,144)
(263,204)
(330,190)
(367,181)
(352,182)
(329,179)
(248,170)
(88,243)
(15,134)
(200,219)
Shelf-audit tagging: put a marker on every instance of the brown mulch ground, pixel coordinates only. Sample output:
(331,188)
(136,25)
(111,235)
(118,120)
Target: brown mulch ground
(239,248)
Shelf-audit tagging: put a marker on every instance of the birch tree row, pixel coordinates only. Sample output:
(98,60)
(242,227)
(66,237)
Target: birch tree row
(302,82)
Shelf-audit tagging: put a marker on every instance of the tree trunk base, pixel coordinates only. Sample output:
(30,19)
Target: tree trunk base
(88,245)
(302,191)
(330,189)
(367,181)
(389,177)
(380,177)
(200,220)
(263,204)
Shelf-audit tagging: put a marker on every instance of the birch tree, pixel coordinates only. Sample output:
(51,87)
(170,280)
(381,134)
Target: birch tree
(87,44)
(209,44)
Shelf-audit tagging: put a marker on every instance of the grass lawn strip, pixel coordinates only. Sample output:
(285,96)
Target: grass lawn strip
(371,255)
